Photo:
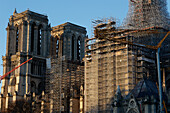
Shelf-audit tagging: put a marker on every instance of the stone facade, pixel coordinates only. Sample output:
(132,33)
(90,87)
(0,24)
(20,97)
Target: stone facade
(67,68)
(28,36)
(68,40)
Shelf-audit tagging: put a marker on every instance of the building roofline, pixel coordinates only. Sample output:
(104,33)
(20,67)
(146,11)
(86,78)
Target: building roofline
(68,24)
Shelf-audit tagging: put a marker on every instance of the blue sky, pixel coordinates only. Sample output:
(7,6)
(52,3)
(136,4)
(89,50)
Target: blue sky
(80,12)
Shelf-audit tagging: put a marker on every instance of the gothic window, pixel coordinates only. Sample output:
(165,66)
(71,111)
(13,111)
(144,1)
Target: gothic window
(13,82)
(33,87)
(40,88)
(57,47)
(78,48)
(72,47)
(32,36)
(17,37)
(39,40)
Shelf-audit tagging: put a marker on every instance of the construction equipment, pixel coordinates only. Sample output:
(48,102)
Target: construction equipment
(163,100)
(6,74)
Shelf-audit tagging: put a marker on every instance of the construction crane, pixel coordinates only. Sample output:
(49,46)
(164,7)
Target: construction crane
(6,74)
(100,33)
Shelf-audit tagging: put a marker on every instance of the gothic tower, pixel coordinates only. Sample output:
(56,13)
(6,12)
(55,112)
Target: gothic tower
(67,68)
(68,40)
(28,36)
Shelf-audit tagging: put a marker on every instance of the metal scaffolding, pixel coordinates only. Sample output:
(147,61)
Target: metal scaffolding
(63,84)
(118,61)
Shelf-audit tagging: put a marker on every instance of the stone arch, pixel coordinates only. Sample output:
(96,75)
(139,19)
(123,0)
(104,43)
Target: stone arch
(13,81)
(132,106)
(132,110)
(33,87)
(40,87)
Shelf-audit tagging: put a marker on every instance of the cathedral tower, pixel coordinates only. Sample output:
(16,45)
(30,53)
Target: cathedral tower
(28,36)
(67,68)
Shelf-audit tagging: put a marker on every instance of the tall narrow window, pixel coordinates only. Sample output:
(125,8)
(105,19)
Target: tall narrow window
(32,37)
(17,37)
(57,47)
(72,47)
(78,48)
(33,87)
(39,40)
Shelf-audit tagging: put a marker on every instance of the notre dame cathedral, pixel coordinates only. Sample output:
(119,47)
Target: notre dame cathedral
(29,35)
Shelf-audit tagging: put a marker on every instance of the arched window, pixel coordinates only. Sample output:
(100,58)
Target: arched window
(57,47)
(39,40)
(40,88)
(32,36)
(17,37)
(78,48)
(33,87)
(72,47)
(13,82)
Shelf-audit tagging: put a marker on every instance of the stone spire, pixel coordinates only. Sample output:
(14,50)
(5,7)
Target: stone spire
(15,12)
(118,92)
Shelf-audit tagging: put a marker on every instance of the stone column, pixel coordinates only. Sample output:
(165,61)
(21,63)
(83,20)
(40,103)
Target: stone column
(8,40)
(60,47)
(42,43)
(28,65)
(28,68)
(1,101)
(48,41)
(8,100)
(28,37)
(6,68)
(15,96)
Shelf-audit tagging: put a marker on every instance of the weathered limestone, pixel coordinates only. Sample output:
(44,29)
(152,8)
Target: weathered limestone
(20,31)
